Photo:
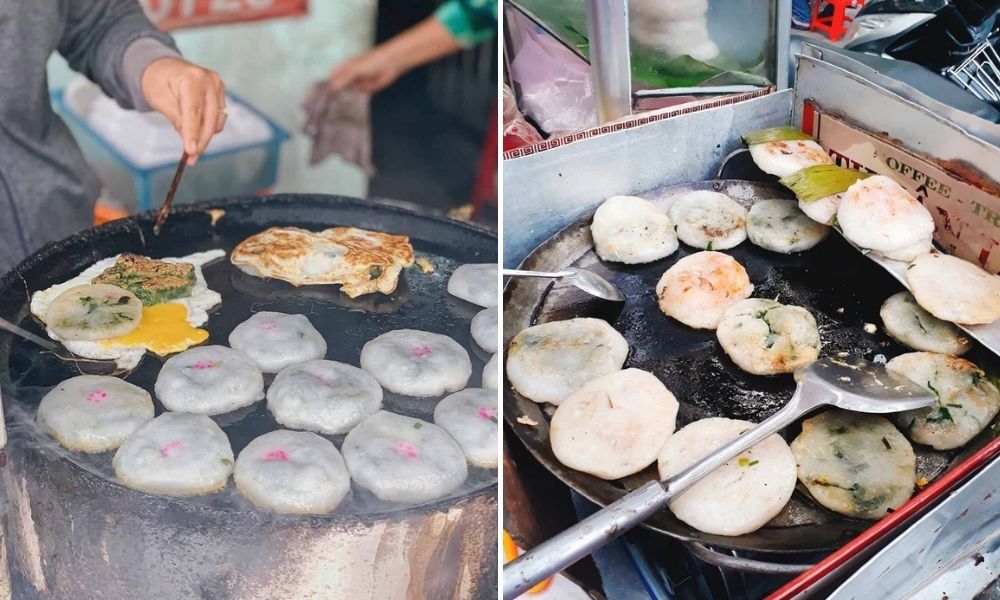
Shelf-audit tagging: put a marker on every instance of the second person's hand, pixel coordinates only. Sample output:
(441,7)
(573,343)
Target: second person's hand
(368,72)
(192,98)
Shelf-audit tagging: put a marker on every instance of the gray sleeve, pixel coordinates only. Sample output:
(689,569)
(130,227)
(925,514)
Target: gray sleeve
(112,42)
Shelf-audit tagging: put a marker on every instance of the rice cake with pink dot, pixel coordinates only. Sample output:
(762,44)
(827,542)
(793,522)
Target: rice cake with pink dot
(417,363)
(323,396)
(209,380)
(175,454)
(293,472)
(94,413)
(470,416)
(277,340)
(402,459)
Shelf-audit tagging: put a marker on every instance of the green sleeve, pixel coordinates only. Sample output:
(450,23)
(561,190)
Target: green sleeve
(470,21)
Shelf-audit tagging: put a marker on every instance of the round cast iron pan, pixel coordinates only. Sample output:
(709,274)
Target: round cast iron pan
(420,302)
(841,288)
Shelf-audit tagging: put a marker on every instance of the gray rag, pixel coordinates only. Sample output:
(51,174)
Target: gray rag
(339,123)
(47,191)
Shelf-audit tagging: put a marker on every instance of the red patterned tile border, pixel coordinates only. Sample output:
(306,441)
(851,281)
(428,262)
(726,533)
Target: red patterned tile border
(630,122)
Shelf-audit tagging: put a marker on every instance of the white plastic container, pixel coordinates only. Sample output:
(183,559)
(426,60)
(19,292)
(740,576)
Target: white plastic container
(135,154)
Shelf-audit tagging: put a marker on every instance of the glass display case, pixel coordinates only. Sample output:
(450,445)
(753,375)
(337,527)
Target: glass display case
(678,51)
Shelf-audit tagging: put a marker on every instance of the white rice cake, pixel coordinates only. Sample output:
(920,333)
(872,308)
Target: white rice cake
(471,417)
(913,326)
(615,425)
(402,459)
(417,363)
(209,380)
(485,329)
(966,399)
(876,213)
(657,11)
(783,158)
(93,413)
(491,373)
(548,362)
(742,495)
(175,454)
(276,340)
(476,283)
(954,290)
(908,253)
(709,220)
(631,230)
(823,210)
(765,337)
(779,226)
(293,472)
(323,396)
(93,312)
(701,287)
(855,464)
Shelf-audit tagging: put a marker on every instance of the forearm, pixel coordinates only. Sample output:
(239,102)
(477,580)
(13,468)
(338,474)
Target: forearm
(138,55)
(112,42)
(425,42)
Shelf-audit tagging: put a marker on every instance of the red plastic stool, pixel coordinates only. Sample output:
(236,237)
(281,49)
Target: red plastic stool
(833,25)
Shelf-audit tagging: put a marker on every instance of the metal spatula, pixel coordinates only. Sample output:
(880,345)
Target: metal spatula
(588,281)
(847,383)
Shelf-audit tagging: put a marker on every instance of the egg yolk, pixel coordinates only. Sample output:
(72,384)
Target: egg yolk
(163,330)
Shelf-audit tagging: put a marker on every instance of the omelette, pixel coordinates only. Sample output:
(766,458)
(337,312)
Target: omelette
(361,261)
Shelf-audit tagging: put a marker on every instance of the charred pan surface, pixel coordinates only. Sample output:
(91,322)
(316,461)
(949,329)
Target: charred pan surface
(840,287)
(152,281)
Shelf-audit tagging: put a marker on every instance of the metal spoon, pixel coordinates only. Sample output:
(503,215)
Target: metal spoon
(847,383)
(588,281)
(7,325)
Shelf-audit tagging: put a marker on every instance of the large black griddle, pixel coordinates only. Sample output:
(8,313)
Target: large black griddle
(843,290)
(420,302)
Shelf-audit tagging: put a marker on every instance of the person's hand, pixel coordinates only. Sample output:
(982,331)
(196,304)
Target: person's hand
(369,72)
(191,97)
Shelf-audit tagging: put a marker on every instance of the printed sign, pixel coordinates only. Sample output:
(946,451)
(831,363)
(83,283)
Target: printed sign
(967,218)
(178,14)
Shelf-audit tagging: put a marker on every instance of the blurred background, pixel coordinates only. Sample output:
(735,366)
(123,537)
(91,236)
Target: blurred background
(428,128)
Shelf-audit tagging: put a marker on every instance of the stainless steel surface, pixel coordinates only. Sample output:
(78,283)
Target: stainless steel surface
(782,34)
(546,191)
(588,281)
(847,383)
(707,90)
(911,83)
(873,108)
(561,551)
(988,335)
(953,551)
(610,58)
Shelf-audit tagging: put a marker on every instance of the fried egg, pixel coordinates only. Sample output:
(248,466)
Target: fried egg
(164,329)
